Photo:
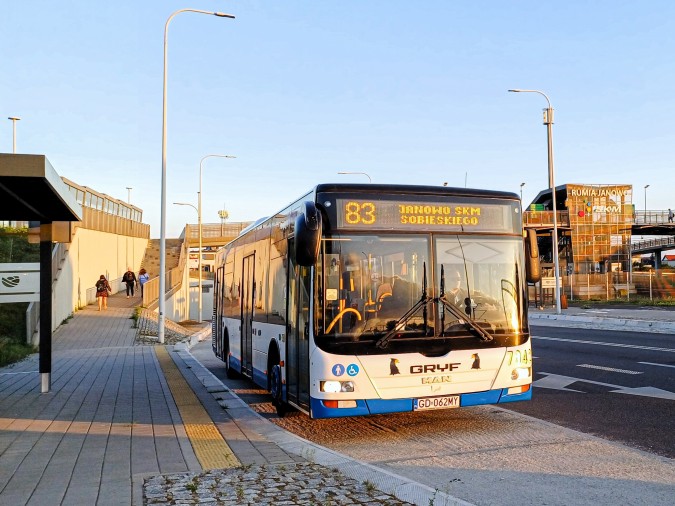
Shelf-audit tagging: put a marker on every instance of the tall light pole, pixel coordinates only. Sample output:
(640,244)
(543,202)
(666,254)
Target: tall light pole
(646,186)
(521,193)
(199,225)
(362,173)
(548,121)
(129,188)
(14,120)
(162,229)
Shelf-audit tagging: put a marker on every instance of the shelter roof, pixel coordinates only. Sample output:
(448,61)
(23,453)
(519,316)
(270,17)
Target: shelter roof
(31,190)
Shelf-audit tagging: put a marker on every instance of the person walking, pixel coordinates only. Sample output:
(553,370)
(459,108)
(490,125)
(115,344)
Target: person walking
(102,289)
(143,278)
(130,279)
(670,215)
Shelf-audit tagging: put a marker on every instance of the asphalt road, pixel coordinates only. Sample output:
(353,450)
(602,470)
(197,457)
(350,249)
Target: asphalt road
(616,385)
(489,455)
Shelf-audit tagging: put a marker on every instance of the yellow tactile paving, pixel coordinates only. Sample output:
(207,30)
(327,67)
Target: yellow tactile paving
(210,448)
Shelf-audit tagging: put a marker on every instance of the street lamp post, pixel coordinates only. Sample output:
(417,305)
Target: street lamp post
(129,188)
(548,121)
(14,120)
(521,193)
(162,231)
(362,173)
(646,186)
(199,225)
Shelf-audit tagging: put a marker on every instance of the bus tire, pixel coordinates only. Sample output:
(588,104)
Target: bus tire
(276,389)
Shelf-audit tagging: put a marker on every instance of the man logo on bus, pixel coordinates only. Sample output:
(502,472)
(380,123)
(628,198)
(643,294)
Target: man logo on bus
(476,361)
(392,367)
(338,370)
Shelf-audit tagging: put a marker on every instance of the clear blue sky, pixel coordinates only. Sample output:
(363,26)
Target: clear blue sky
(408,92)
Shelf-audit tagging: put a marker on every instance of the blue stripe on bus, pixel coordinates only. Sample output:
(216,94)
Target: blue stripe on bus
(478,398)
(321,411)
(260,378)
(381,406)
(235,363)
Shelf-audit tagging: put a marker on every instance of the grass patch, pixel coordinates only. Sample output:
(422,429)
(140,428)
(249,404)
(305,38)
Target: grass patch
(136,315)
(634,301)
(11,351)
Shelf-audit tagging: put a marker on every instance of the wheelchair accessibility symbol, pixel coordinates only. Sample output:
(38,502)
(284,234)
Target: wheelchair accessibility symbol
(352,369)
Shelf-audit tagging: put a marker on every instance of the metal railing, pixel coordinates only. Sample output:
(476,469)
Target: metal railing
(174,278)
(653,284)
(545,218)
(93,219)
(650,244)
(651,217)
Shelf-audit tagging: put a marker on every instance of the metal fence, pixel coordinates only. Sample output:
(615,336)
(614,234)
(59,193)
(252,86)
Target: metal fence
(652,284)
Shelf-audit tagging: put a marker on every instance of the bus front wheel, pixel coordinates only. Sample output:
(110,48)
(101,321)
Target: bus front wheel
(276,390)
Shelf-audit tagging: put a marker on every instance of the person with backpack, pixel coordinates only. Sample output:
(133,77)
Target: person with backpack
(143,278)
(130,279)
(102,289)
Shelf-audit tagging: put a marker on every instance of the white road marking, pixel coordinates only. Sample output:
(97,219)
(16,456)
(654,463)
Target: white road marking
(660,365)
(611,369)
(21,372)
(600,343)
(560,382)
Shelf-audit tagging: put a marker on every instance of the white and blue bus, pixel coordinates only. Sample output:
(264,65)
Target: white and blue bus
(368,299)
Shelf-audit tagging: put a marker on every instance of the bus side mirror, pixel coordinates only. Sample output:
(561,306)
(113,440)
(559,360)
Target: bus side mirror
(307,235)
(532,266)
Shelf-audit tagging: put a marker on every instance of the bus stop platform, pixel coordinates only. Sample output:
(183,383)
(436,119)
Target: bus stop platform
(128,422)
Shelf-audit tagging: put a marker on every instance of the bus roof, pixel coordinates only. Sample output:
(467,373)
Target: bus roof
(417,189)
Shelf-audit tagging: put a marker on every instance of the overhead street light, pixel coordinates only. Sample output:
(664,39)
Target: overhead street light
(362,173)
(646,186)
(162,231)
(548,121)
(521,193)
(199,217)
(14,119)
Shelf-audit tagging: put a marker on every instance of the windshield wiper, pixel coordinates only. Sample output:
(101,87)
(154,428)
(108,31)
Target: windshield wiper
(483,334)
(383,342)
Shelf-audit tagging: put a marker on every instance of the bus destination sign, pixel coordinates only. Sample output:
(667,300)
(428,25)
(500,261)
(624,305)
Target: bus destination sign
(427,216)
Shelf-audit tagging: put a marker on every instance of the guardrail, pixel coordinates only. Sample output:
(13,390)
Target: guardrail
(173,280)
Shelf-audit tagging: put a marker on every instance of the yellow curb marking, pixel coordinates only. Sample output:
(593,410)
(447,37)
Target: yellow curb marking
(210,448)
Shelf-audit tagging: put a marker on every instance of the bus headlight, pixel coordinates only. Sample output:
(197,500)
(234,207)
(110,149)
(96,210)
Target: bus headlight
(347,386)
(332,386)
(520,373)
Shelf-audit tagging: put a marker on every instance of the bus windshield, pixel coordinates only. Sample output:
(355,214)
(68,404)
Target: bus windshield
(384,291)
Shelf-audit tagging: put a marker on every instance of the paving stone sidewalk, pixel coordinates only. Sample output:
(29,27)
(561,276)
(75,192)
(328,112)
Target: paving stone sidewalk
(109,431)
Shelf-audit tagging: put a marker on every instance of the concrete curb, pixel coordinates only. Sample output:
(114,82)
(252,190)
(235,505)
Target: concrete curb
(385,481)
(604,323)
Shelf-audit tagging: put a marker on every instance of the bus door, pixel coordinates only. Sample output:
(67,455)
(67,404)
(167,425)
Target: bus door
(217,319)
(297,342)
(247,300)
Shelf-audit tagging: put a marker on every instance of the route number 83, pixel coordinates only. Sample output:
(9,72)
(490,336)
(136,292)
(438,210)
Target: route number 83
(360,213)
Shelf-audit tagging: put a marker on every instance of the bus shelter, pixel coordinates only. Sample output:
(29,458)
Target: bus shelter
(31,190)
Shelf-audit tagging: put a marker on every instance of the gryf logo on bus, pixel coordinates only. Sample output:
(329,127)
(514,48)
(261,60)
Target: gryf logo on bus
(427,368)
